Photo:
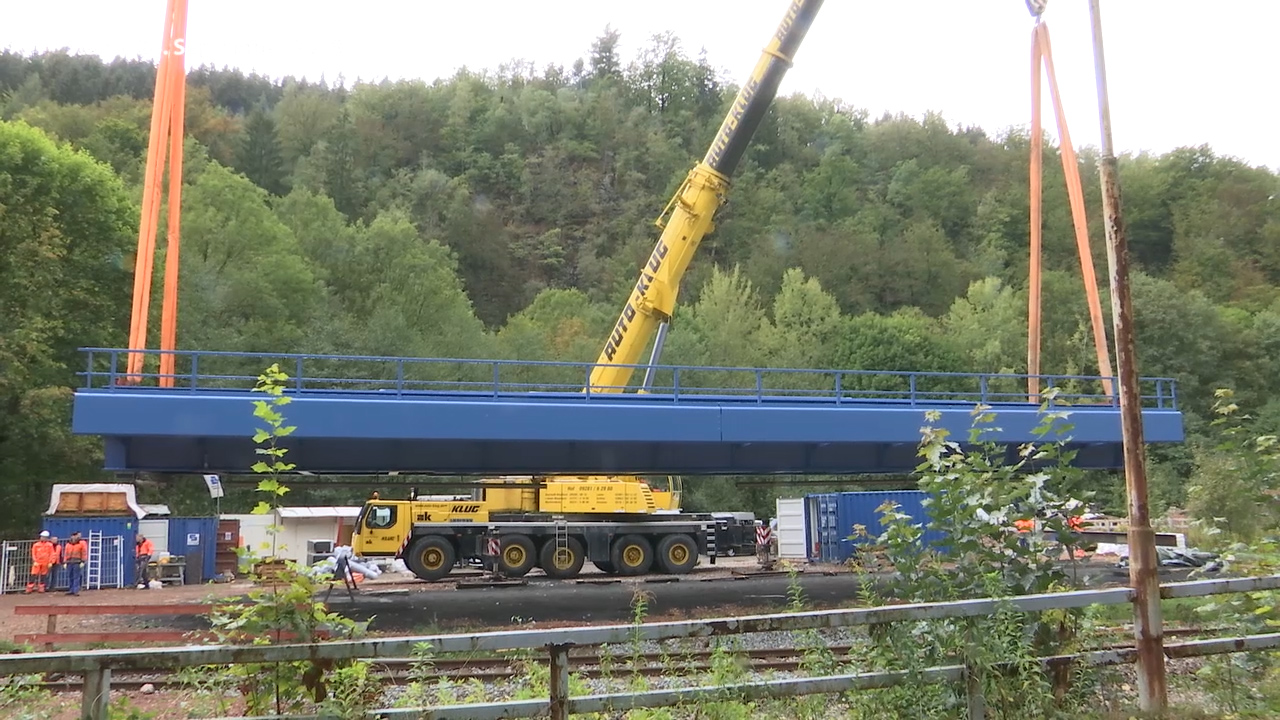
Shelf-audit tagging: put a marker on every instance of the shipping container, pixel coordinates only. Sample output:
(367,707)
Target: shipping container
(195,538)
(156,529)
(226,561)
(124,527)
(831,518)
(791,528)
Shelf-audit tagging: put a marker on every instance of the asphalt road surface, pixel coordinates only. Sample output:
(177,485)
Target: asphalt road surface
(552,601)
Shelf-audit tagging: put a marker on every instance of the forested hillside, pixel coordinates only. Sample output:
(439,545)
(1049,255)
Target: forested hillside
(504,213)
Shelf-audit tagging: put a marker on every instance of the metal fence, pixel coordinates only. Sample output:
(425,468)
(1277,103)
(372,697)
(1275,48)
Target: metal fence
(104,568)
(97,665)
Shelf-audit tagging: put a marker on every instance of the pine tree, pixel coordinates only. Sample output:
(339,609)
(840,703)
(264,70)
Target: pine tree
(604,55)
(258,156)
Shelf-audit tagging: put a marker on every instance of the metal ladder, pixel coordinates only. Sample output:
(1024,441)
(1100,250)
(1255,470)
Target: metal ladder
(712,531)
(562,537)
(93,564)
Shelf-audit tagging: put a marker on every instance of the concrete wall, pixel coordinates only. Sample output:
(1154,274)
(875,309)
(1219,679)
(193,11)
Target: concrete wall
(253,532)
(291,540)
(297,531)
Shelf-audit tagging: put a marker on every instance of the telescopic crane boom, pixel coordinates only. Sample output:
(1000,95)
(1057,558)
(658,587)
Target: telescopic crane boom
(690,214)
(618,523)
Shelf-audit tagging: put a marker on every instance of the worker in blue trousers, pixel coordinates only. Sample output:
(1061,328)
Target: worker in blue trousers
(74,555)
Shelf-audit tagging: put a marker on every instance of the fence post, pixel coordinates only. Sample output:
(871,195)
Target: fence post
(51,626)
(559,681)
(95,704)
(973,692)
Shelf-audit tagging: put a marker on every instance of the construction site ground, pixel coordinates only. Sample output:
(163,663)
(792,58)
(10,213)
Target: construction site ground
(400,603)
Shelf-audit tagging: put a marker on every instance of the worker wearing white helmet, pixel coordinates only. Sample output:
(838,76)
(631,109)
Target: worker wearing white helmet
(43,556)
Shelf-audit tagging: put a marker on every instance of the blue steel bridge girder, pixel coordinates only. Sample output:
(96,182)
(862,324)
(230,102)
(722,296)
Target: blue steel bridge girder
(471,417)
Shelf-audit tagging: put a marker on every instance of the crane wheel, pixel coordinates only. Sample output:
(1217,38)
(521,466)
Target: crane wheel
(431,557)
(632,555)
(562,563)
(677,554)
(517,556)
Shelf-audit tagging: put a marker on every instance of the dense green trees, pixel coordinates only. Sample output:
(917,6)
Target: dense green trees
(65,226)
(505,213)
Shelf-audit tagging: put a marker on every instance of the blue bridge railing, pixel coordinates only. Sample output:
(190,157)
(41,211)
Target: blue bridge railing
(198,371)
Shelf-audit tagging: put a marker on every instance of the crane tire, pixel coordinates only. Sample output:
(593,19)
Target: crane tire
(517,556)
(632,555)
(562,566)
(677,554)
(431,557)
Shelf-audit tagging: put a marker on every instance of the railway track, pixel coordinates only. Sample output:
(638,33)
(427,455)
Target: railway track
(491,669)
(586,664)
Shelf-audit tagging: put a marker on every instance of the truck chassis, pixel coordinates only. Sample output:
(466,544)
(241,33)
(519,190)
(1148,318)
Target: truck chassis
(562,546)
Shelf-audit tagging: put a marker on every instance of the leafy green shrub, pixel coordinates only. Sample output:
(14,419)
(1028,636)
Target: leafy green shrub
(284,607)
(975,498)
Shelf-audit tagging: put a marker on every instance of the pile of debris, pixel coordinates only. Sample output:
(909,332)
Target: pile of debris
(1184,557)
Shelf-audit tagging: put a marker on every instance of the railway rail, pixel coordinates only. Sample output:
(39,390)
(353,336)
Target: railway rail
(587,663)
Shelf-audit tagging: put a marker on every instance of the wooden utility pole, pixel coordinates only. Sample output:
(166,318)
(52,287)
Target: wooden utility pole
(1143,561)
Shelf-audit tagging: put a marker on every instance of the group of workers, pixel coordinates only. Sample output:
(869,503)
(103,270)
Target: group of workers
(46,554)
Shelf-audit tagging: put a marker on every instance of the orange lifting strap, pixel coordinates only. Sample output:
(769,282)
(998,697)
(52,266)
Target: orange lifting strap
(1041,50)
(167,120)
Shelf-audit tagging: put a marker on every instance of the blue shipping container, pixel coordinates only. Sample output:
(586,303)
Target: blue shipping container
(194,536)
(117,559)
(830,519)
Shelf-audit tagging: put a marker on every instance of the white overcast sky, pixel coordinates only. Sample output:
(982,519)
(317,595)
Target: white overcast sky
(1181,72)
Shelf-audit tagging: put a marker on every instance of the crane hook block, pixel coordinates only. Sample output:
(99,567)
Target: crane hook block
(1036,7)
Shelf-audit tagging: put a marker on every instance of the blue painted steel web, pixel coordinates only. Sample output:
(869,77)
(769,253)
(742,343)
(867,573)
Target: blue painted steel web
(449,416)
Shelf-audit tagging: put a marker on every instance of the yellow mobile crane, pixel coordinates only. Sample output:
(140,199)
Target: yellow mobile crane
(620,523)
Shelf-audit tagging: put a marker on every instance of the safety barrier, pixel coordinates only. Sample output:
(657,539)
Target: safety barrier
(395,377)
(104,568)
(97,665)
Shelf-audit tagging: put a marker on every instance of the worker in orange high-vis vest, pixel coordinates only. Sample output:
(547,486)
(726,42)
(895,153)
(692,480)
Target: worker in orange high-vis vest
(43,556)
(75,554)
(143,550)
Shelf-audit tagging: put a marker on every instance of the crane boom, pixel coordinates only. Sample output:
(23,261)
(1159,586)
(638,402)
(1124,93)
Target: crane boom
(689,215)
(602,506)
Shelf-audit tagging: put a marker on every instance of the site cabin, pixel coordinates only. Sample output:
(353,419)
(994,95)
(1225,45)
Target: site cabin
(557,524)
